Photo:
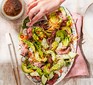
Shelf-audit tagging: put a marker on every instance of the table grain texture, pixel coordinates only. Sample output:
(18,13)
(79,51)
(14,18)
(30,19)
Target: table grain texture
(6,73)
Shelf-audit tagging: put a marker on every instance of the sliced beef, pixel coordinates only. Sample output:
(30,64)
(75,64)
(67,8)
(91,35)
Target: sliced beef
(53,80)
(52,37)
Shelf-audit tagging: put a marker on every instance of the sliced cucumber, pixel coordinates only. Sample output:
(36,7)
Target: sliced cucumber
(72,54)
(44,80)
(51,75)
(44,43)
(34,74)
(67,57)
(58,66)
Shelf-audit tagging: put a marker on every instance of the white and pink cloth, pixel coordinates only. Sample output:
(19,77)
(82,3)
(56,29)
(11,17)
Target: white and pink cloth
(79,67)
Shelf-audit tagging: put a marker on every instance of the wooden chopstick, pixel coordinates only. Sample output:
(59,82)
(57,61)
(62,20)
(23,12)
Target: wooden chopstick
(15,60)
(14,66)
(12,63)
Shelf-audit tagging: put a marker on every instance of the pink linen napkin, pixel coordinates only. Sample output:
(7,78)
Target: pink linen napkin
(79,67)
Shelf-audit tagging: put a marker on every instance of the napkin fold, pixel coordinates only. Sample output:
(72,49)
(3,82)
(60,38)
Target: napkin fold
(79,67)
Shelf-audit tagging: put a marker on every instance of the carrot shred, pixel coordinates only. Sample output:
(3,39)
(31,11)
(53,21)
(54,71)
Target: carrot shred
(61,71)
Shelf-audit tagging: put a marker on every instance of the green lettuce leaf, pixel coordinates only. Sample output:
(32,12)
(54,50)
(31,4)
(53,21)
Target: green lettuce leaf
(25,22)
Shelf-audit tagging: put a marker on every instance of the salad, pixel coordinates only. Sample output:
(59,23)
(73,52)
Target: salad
(47,47)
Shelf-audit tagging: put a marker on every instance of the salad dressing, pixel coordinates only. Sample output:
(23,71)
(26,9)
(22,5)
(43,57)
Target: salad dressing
(12,7)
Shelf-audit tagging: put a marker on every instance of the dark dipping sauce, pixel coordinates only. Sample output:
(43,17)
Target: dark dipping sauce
(12,7)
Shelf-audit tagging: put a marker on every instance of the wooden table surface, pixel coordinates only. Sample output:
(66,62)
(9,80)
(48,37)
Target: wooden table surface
(6,74)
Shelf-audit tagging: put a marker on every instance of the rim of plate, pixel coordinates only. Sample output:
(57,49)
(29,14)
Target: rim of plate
(86,25)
